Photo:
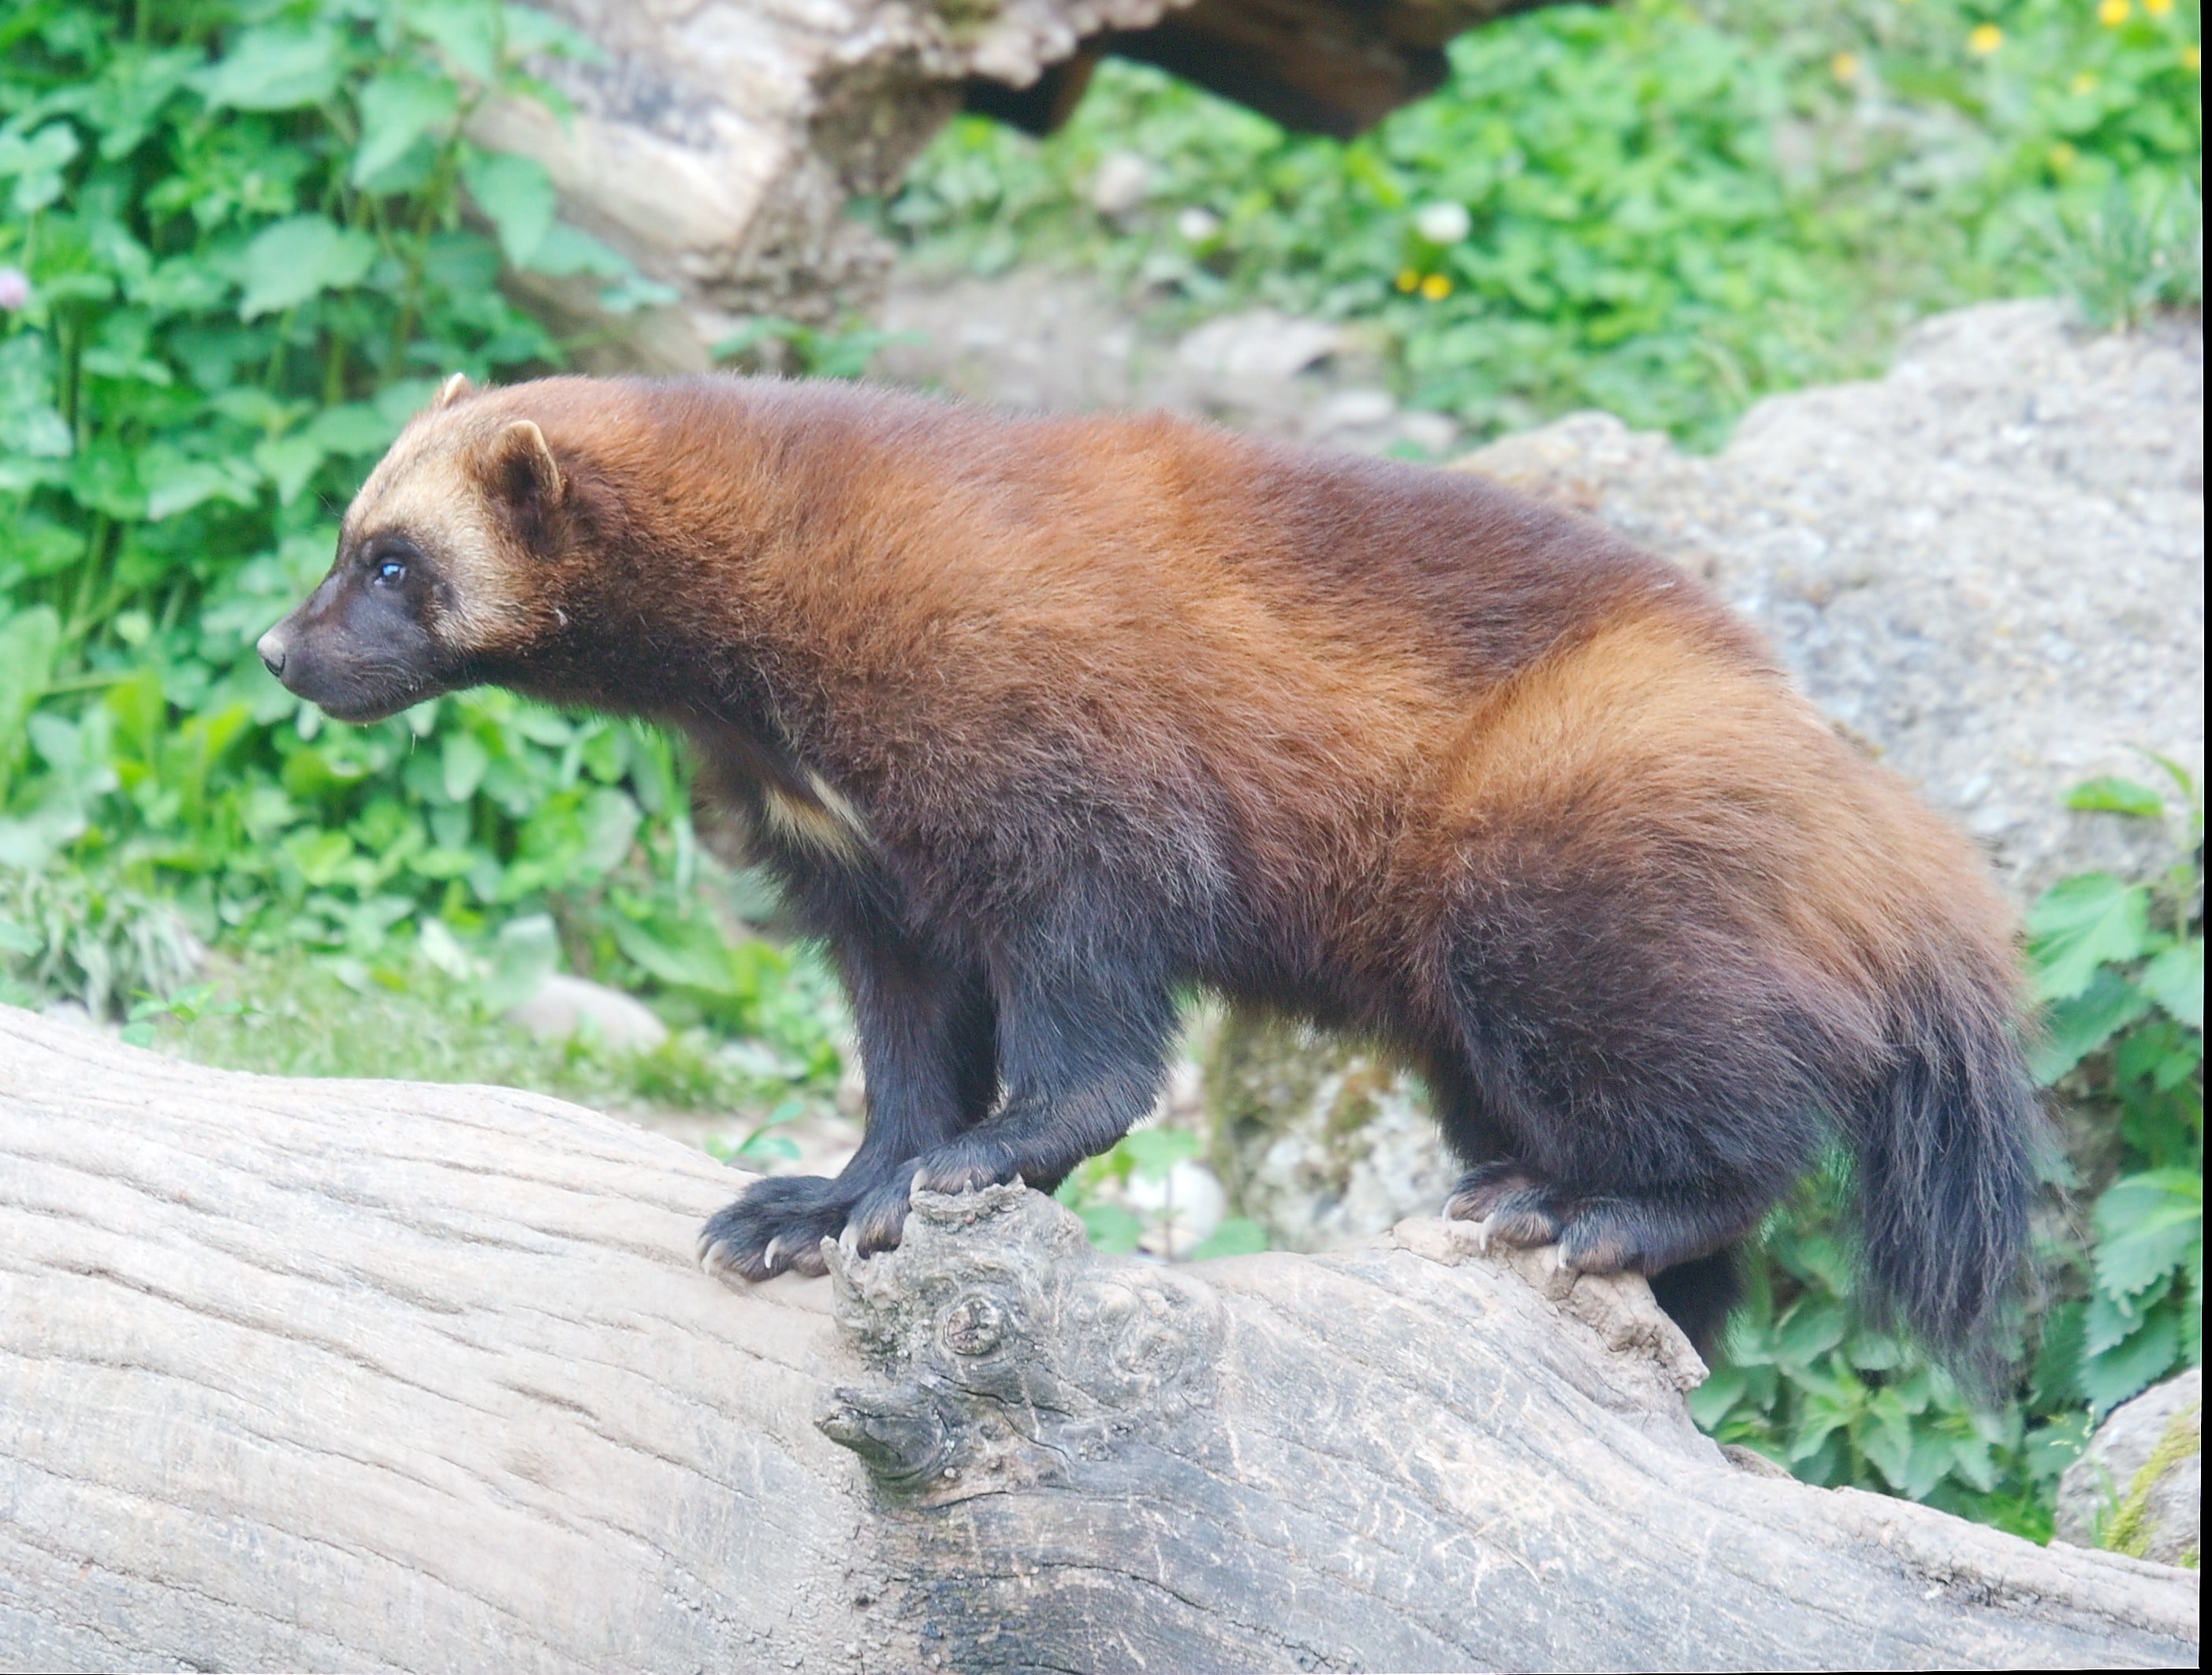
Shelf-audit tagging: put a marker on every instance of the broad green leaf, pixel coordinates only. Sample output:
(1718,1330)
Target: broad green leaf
(566,249)
(467,31)
(2176,980)
(466,761)
(516,194)
(2050,1450)
(443,949)
(1972,1462)
(34,161)
(288,462)
(2075,1028)
(2146,1226)
(356,427)
(1809,1330)
(128,99)
(275,67)
(2082,923)
(1238,1236)
(299,257)
(28,639)
(2110,794)
(397,109)
(1710,1401)
(609,820)
(17,940)
(523,954)
(762,1143)
(1886,1438)
(174,482)
(320,856)
(2112,1319)
(1112,1228)
(685,954)
(1152,1152)
(2110,1376)
(31,426)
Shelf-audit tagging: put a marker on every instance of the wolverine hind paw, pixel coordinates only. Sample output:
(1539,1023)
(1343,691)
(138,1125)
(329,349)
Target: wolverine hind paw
(1509,1203)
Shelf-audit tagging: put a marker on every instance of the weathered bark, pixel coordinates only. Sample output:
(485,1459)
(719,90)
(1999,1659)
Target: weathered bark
(717,143)
(378,1375)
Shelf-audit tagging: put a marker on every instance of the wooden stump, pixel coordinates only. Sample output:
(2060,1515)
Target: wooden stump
(371,1375)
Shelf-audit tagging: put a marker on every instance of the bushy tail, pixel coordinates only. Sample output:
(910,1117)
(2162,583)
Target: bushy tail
(1945,1147)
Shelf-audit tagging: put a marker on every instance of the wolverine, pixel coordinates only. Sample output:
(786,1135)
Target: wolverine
(1042,722)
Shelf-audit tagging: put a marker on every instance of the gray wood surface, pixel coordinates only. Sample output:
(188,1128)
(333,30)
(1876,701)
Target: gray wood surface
(376,1375)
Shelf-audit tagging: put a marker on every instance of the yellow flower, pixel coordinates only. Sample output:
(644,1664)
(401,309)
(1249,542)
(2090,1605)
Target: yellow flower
(2063,157)
(2113,13)
(1436,287)
(1845,66)
(1408,280)
(2192,59)
(2082,85)
(2158,8)
(1984,39)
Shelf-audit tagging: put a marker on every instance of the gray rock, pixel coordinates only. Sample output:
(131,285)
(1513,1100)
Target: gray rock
(2138,1487)
(1260,345)
(565,1005)
(1120,184)
(1988,566)
(1322,1142)
(1040,340)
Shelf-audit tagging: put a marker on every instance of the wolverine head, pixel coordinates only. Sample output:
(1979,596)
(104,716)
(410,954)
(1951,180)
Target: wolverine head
(446,565)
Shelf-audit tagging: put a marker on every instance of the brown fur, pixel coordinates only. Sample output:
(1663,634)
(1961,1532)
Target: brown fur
(1039,718)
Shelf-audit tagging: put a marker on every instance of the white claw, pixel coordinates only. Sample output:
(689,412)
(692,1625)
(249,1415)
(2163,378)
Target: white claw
(767,1256)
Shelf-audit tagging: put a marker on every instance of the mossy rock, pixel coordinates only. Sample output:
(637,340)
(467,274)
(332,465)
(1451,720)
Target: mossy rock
(1322,1141)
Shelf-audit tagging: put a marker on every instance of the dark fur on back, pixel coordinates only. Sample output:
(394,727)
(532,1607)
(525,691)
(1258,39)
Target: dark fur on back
(1040,720)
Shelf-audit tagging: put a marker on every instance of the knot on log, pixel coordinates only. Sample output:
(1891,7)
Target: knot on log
(1004,1347)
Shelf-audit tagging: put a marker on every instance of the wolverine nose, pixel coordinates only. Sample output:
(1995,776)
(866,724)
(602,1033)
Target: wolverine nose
(271,647)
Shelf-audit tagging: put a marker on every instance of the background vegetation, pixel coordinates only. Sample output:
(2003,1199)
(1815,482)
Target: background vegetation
(240,239)
(1660,209)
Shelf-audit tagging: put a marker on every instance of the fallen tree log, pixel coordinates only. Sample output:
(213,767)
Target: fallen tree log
(717,143)
(374,1375)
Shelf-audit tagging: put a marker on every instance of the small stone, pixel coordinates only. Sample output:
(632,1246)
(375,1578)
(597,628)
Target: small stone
(1121,185)
(1260,343)
(564,1004)
(1188,1202)
(1433,433)
(1356,409)
(1197,225)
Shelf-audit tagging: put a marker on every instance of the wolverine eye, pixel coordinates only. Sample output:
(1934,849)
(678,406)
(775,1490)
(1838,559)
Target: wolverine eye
(390,571)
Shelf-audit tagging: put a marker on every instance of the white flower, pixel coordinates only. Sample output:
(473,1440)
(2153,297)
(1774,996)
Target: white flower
(1197,225)
(15,289)
(1444,223)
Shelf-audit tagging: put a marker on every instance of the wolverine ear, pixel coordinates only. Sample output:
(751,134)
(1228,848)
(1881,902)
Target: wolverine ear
(452,391)
(527,478)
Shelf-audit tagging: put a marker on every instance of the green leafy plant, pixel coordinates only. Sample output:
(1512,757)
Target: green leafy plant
(241,243)
(1099,1193)
(770,343)
(1663,210)
(2122,968)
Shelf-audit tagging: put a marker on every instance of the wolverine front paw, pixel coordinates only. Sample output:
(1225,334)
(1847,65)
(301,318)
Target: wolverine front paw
(1508,1203)
(777,1227)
